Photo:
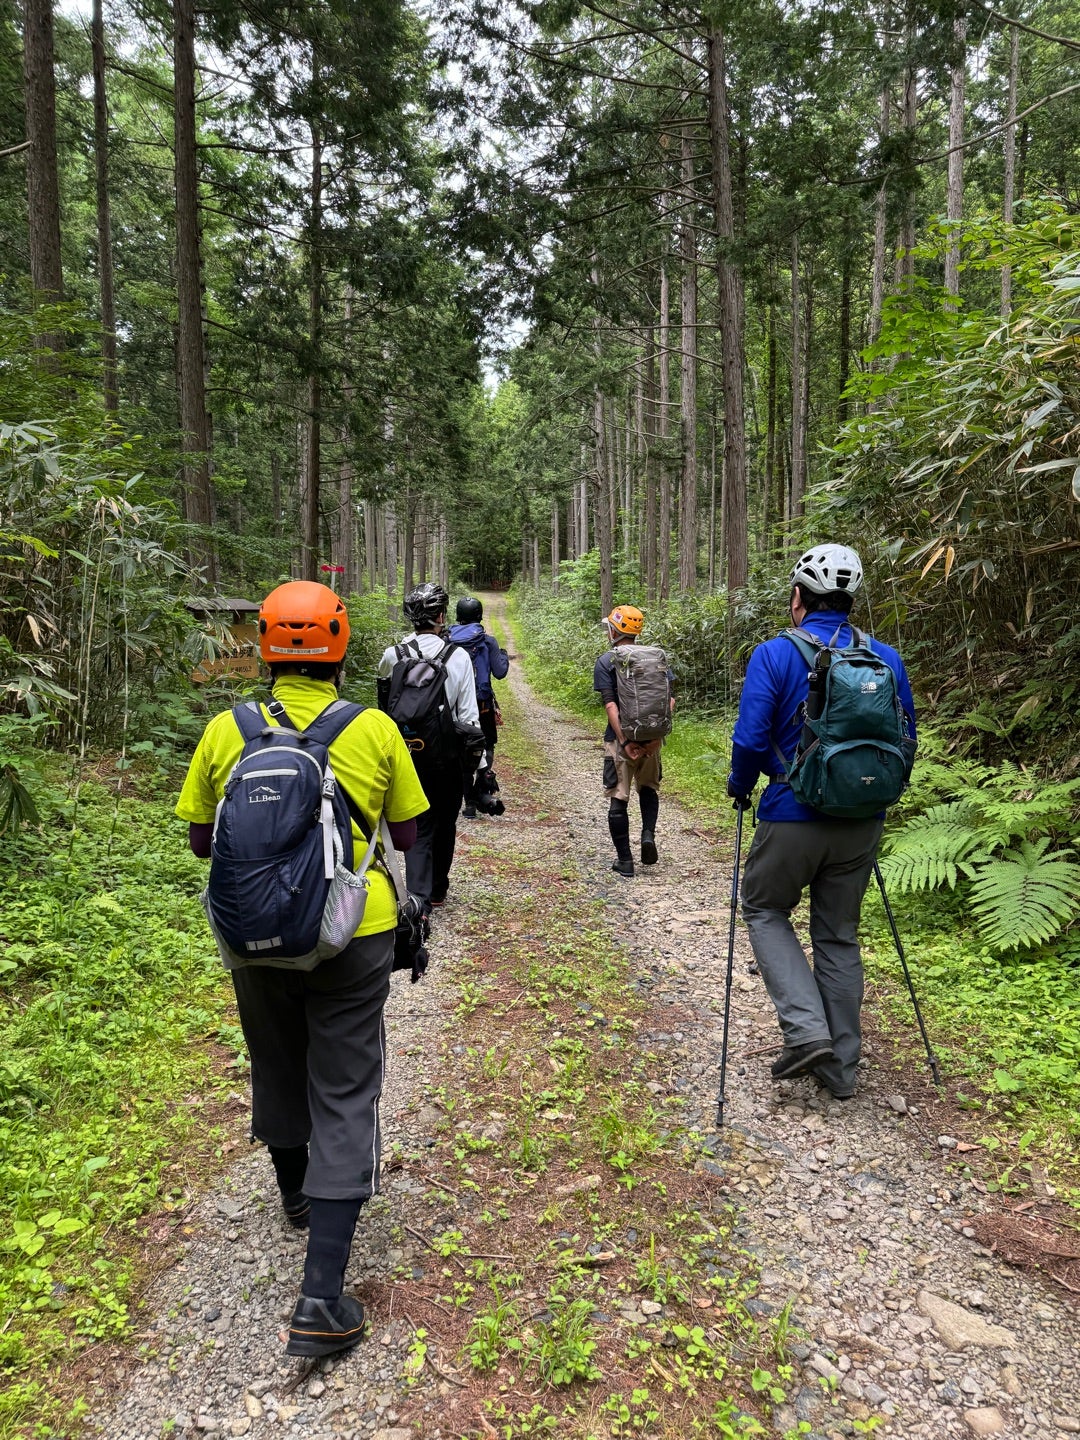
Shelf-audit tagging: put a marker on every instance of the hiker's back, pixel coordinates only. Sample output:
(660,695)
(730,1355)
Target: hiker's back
(770,723)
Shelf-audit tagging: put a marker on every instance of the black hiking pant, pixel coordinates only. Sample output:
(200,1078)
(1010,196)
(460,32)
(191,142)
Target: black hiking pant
(427,864)
(491,736)
(318,1053)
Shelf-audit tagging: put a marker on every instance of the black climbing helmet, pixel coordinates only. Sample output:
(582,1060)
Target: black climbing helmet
(426,603)
(469,610)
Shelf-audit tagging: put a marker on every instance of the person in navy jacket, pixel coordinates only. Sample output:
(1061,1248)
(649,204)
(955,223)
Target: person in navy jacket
(796,848)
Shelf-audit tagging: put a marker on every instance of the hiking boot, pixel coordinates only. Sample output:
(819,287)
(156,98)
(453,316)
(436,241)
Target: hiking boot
(624,868)
(469,812)
(323,1327)
(648,848)
(297,1208)
(836,1093)
(801,1059)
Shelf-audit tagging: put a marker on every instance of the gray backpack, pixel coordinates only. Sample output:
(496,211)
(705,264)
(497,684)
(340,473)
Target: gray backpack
(643,691)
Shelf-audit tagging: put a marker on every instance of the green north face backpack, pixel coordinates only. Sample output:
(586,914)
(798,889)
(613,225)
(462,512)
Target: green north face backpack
(855,753)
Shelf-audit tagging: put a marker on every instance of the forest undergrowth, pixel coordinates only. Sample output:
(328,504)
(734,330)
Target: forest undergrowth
(119,1058)
(1004,1018)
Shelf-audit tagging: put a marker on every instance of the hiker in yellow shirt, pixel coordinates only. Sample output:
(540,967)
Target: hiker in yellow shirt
(316,1037)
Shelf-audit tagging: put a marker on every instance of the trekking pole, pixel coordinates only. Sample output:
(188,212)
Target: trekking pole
(907,976)
(730,965)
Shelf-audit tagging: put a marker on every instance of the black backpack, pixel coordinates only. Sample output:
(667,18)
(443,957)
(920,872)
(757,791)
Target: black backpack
(417,703)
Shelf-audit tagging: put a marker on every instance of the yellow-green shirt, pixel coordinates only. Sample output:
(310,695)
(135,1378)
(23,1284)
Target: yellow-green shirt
(368,758)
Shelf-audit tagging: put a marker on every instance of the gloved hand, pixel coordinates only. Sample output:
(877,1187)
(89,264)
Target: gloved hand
(741,798)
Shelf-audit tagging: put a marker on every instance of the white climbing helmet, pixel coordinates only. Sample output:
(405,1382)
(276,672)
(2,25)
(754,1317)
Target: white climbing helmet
(828,568)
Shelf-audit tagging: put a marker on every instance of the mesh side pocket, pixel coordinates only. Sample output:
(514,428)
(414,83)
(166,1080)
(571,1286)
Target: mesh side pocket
(344,910)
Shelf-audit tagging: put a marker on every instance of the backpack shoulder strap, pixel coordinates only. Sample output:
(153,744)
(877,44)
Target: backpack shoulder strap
(328,725)
(249,720)
(807,645)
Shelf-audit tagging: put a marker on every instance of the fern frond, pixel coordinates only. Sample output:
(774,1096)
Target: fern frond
(1027,896)
(928,852)
(1013,810)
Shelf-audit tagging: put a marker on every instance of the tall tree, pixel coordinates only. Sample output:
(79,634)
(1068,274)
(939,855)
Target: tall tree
(688,479)
(42,174)
(106,289)
(954,207)
(190,338)
(732,321)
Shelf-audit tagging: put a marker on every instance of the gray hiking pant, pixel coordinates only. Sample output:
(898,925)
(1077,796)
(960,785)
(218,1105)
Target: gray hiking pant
(318,1055)
(835,859)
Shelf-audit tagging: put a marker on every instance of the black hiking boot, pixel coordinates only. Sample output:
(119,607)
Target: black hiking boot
(469,812)
(648,848)
(323,1327)
(297,1208)
(623,867)
(801,1059)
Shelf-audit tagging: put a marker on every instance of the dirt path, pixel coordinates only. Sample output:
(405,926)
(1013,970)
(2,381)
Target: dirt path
(860,1211)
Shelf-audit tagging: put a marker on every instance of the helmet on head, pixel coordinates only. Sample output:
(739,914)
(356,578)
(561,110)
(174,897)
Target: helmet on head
(302,620)
(625,620)
(469,610)
(424,604)
(826,569)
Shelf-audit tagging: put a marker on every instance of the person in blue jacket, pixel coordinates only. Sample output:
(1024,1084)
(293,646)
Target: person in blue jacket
(796,848)
(490,662)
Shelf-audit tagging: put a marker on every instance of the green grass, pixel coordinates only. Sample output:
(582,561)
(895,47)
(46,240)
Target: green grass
(110,993)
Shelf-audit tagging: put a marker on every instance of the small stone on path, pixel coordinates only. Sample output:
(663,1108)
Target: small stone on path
(986,1421)
(959,1327)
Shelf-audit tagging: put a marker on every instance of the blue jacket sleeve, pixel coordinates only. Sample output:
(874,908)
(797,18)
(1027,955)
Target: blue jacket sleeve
(907,700)
(751,744)
(498,659)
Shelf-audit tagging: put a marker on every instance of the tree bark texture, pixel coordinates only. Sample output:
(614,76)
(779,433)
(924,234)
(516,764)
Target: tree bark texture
(313,464)
(843,355)
(652,498)
(106,287)
(798,432)
(663,533)
(731,314)
(42,177)
(910,121)
(1009,185)
(688,477)
(954,204)
(601,501)
(408,564)
(770,512)
(191,340)
(343,537)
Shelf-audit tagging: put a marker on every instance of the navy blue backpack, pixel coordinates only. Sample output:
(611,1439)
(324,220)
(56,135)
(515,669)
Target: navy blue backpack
(473,639)
(282,890)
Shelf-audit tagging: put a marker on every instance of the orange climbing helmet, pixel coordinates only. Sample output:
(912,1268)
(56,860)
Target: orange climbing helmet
(625,620)
(302,620)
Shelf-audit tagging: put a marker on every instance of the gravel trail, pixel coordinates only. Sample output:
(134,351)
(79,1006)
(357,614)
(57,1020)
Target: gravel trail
(860,1210)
